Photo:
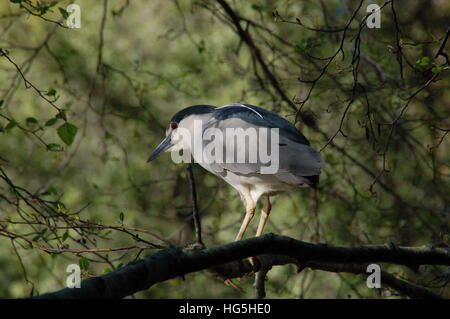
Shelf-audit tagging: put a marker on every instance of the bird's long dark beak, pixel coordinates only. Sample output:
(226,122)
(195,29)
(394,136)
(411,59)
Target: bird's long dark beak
(164,145)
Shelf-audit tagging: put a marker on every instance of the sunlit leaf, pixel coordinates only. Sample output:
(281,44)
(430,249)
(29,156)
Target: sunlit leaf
(437,69)
(423,61)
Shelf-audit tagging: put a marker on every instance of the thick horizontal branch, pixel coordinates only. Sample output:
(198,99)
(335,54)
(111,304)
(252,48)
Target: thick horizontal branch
(175,262)
(266,262)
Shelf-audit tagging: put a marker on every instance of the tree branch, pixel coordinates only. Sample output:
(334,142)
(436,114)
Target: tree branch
(170,263)
(441,49)
(256,53)
(195,213)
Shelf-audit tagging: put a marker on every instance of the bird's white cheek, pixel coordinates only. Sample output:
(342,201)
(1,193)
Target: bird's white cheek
(179,141)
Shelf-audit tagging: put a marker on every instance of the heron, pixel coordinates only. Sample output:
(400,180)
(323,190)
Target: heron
(299,165)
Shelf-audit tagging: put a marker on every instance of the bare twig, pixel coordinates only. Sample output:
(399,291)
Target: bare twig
(260,283)
(441,51)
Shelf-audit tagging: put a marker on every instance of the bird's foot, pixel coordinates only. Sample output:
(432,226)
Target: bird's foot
(231,284)
(255,265)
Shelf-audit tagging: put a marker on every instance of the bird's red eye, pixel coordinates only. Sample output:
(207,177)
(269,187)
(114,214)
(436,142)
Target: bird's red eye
(174,125)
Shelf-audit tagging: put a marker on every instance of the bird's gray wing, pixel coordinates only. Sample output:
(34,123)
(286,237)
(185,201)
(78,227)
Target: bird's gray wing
(293,160)
(298,161)
(226,151)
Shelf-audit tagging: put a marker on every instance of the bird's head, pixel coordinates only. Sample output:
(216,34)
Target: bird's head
(183,120)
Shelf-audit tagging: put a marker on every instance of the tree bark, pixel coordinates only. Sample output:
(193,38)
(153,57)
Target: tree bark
(226,260)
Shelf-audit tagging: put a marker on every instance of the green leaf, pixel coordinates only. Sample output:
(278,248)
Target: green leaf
(437,69)
(1,103)
(121,216)
(67,132)
(40,235)
(256,7)
(107,232)
(51,121)
(300,47)
(10,125)
(51,92)
(15,1)
(63,12)
(61,115)
(65,236)
(83,263)
(31,121)
(423,61)
(49,191)
(106,270)
(53,147)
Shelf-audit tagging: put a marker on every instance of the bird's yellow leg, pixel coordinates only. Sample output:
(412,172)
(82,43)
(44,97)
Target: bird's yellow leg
(264,215)
(230,283)
(250,212)
(262,222)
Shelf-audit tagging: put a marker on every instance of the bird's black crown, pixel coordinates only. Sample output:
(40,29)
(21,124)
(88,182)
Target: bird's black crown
(191,110)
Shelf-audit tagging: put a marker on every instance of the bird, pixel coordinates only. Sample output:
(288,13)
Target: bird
(299,165)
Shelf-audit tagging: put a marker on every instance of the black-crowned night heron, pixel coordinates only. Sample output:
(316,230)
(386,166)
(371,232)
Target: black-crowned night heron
(242,131)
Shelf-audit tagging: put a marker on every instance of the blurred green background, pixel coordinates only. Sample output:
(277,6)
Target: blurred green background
(120,82)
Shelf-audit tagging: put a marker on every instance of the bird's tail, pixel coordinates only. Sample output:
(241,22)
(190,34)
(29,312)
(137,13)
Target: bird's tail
(312,181)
